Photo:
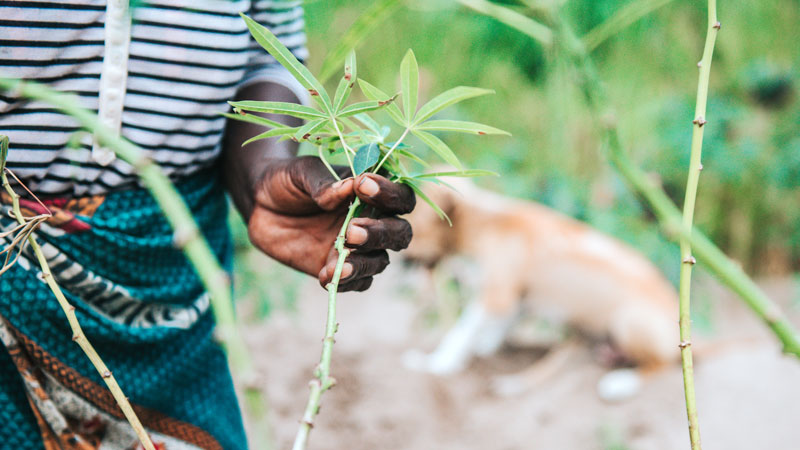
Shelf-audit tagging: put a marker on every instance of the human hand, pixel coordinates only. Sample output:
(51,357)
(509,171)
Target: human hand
(299,209)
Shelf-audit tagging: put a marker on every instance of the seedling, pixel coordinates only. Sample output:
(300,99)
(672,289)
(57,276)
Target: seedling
(338,128)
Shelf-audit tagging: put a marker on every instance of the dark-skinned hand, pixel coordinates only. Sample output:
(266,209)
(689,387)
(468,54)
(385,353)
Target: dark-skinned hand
(299,209)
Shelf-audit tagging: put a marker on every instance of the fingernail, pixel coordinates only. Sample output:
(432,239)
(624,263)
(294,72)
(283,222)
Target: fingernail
(323,274)
(347,270)
(356,235)
(368,187)
(338,184)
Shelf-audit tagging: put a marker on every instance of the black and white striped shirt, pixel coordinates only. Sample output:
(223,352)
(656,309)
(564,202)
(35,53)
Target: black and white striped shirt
(187,59)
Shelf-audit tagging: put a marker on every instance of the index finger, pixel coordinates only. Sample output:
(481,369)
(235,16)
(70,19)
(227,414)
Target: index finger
(382,194)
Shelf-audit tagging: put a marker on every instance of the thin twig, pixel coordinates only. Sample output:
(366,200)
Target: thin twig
(625,17)
(187,238)
(687,260)
(69,310)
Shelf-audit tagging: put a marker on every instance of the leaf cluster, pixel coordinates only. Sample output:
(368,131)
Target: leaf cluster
(338,128)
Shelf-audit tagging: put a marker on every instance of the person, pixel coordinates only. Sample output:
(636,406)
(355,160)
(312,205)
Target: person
(108,245)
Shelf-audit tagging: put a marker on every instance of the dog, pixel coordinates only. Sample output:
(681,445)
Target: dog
(528,253)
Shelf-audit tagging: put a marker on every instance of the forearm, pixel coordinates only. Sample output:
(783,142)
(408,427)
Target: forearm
(242,167)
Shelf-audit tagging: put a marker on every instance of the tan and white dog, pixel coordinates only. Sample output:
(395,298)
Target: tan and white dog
(528,252)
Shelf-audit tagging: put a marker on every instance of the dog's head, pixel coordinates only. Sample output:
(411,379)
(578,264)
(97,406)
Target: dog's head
(433,236)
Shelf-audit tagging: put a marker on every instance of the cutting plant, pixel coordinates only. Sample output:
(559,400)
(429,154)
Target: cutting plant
(347,131)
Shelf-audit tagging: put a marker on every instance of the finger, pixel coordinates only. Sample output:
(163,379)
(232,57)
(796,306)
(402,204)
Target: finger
(358,285)
(390,233)
(319,183)
(379,192)
(356,266)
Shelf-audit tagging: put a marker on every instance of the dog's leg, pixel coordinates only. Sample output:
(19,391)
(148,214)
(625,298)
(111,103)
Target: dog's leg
(543,369)
(455,350)
(494,334)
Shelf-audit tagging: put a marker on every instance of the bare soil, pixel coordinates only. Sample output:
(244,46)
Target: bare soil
(748,393)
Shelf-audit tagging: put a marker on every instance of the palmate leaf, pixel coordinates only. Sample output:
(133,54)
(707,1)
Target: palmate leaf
(448,98)
(282,54)
(304,132)
(283,132)
(252,118)
(411,156)
(369,122)
(460,127)
(413,185)
(376,94)
(366,157)
(409,83)
(439,147)
(346,83)
(288,109)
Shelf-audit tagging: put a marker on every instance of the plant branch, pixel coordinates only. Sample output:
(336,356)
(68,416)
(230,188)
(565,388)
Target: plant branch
(625,17)
(347,149)
(187,238)
(519,22)
(323,380)
(687,260)
(388,153)
(69,310)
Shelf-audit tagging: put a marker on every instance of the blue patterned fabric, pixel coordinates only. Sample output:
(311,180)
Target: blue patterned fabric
(140,304)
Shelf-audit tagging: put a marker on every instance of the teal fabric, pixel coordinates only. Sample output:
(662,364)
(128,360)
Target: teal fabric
(180,372)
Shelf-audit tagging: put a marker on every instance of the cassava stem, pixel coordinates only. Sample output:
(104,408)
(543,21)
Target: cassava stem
(69,310)
(187,238)
(687,260)
(323,380)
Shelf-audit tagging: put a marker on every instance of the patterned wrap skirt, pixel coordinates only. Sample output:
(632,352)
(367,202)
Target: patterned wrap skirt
(144,309)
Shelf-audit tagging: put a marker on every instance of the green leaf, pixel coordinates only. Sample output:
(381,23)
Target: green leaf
(411,156)
(376,94)
(282,54)
(366,157)
(304,132)
(448,98)
(468,173)
(252,118)
(272,133)
(369,122)
(346,83)
(439,147)
(362,107)
(460,127)
(371,19)
(288,109)
(409,82)
(427,199)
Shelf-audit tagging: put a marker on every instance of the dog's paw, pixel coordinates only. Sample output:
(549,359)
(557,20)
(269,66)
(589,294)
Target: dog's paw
(619,385)
(431,363)
(508,385)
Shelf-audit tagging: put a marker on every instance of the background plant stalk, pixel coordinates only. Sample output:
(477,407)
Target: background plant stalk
(69,310)
(687,260)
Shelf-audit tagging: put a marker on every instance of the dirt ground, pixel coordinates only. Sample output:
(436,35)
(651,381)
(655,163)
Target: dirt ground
(748,393)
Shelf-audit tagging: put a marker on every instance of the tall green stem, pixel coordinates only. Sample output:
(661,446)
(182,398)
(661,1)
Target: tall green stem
(687,260)
(187,238)
(323,380)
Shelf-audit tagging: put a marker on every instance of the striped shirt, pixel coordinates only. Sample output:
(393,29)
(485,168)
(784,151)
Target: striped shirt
(187,59)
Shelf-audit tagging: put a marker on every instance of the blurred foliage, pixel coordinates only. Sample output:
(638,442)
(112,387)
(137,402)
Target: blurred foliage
(749,200)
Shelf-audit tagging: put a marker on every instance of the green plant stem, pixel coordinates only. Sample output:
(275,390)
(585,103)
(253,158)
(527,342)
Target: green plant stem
(687,260)
(347,149)
(327,164)
(391,150)
(187,238)
(719,264)
(539,32)
(672,220)
(623,18)
(323,380)
(69,311)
